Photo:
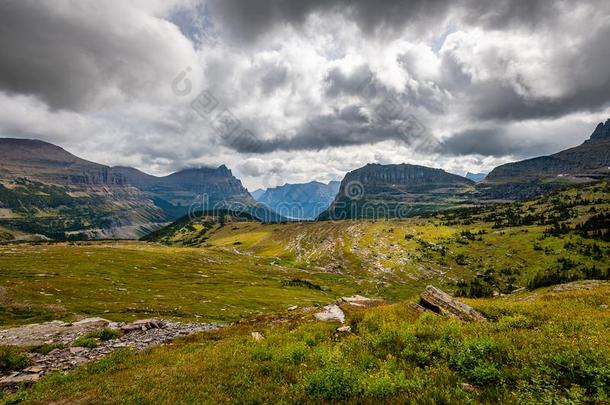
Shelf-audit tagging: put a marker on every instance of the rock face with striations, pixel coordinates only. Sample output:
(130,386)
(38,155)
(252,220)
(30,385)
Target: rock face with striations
(79,199)
(382,191)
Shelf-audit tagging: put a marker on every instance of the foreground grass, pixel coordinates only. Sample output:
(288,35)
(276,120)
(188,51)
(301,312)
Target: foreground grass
(541,347)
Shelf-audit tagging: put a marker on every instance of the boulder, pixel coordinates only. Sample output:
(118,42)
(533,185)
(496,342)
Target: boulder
(331,313)
(18,379)
(442,303)
(257,336)
(143,325)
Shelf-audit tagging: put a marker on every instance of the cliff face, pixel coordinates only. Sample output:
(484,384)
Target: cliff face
(301,201)
(376,191)
(79,199)
(589,160)
(191,189)
(42,161)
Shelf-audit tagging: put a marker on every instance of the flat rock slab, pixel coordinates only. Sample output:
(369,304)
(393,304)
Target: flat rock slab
(442,303)
(51,332)
(331,313)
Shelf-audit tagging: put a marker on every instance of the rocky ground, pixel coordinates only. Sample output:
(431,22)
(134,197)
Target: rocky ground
(139,335)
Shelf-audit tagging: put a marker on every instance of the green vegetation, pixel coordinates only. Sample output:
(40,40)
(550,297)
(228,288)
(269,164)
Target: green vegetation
(392,355)
(12,358)
(90,339)
(544,346)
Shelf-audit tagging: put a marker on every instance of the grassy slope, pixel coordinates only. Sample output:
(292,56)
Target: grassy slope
(241,267)
(541,347)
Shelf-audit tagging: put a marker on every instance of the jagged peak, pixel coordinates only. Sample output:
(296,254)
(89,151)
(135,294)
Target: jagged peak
(602,131)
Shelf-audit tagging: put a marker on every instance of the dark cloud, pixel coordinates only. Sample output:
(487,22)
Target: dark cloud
(246,20)
(80,55)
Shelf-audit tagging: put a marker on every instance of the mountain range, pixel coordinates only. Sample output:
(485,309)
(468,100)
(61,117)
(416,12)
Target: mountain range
(587,162)
(300,201)
(48,191)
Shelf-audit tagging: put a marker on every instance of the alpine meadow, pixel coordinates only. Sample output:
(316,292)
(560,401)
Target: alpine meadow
(284,202)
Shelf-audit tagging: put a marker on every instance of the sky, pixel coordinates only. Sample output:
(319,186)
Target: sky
(292,91)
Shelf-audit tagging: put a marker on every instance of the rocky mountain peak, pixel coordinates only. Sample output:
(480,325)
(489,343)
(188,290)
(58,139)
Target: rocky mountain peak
(602,131)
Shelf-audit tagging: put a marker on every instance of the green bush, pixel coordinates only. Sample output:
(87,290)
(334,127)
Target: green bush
(474,361)
(85,341)
(12,359)
(104,334)
(335,382)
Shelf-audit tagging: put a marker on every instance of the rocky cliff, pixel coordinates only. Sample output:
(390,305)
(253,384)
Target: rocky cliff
(381,191)
(587,162)
(78,199)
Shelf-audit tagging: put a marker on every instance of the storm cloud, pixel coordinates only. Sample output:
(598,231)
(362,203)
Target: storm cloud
(317,87)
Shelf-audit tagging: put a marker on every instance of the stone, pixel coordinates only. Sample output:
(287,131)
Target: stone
(257,336)
(442,303)
(93,323)
(15,380)
(416,308)
(344,329)
(331,313)
(76,350)
(358,299)
(143,325)
(293,307)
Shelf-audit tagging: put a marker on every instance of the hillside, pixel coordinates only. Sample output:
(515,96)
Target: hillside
(197,189)
(507,260)
(46,190)
(387,191)
(300,201)
(584,163)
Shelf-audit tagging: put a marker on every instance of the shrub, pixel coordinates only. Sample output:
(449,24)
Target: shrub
(104,334)
(84,341)
(335,382)
(12,359)
(474,362)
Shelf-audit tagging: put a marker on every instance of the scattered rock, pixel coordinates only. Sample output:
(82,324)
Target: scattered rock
(603,306)
(293,307)
(358,300)
(51,332)
(344,329)
(578,285)
(19,379)
(142,324)
(330,313)
(257,336)
(442,303)
(148,333)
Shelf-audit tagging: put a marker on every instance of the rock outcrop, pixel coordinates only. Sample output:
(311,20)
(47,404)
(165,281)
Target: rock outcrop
(442,303)
(395,191)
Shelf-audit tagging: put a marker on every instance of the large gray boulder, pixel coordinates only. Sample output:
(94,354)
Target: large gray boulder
(442,303)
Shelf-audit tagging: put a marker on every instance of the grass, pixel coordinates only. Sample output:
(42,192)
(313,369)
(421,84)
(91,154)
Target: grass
(393,355)
(12,359)
(539,346)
